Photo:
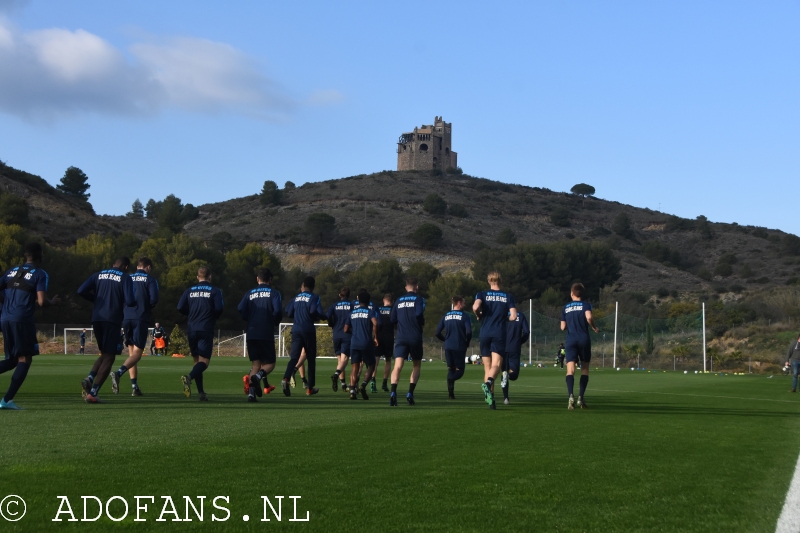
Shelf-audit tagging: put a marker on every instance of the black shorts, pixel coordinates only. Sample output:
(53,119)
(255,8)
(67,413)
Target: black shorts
(108,337)
(135,333)
(19,339)
(307,341)
(362,356)
(201,343)
(490,345)
(455,358)
(341,346)
(261,350)
(403,349)
(385,349)
(511,362)
(579,350)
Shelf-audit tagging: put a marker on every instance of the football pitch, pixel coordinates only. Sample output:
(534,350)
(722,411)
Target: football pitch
(656,452)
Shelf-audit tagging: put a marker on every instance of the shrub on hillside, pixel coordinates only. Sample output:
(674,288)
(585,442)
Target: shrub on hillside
(434,204)
(427,235)
(560,217)
(458,210)
(507,236)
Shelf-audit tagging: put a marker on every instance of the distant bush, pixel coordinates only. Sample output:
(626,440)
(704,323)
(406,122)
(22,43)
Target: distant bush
(434,204)
(270,194)
(723,269)
(13,210)
(507,236)
(582,189)
(622,226)
(560,217)
(661,253)
(790,245)
(761,233)
(289,186)
(703,227)
(320,227)
(458,210)
(599,231)
(678,224)
(704,273)
(427,235)
(456,170)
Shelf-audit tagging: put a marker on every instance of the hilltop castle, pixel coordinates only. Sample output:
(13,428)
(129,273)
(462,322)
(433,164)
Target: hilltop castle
(427,147)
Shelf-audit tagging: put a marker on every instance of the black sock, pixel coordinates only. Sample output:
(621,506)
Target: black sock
(16,380)
(505,392)
(450,384)
(92,375)
(583,382)
(411,387)
(394,387)
(121,371)
(337,372)
(261,374)
(385,381)
(305,381)
(570,384)
(8,364)
(490,382)
(197,370)
(198,382)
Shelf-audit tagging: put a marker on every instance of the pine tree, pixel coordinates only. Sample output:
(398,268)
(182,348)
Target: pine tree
(75,183)
(137,210)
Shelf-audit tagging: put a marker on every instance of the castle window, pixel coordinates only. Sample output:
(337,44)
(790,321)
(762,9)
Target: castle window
(447,150)
(423,147)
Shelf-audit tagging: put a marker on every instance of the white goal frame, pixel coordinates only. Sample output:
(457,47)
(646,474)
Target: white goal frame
(282,345)
(243,336)
(90,331)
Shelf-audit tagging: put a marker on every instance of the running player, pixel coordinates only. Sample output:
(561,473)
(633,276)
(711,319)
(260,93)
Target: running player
(203,304)
(261,308)
(337,315)
(385,347)
(576,319)
(304,308)
(111,290)
(22,288)
(408,314)
(136,323)
(455,329)
(362,323)
(517,334)
(493,308)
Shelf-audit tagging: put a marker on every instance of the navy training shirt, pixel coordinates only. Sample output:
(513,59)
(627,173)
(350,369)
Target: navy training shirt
(19,304)
(145,290)
(455,329)
(517,334)
(262,309)
(409,315)
(203,303)
(385,326)
(111,290)
(574,314)
(496,305)
(305,308)
(337,316)
(360,322)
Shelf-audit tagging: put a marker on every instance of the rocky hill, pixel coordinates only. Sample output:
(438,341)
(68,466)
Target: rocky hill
(376,214)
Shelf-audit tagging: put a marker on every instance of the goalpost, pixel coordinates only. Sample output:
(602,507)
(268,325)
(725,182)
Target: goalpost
(324,340)
(89,336)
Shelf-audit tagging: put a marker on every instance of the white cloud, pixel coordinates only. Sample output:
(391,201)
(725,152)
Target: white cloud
(52,73)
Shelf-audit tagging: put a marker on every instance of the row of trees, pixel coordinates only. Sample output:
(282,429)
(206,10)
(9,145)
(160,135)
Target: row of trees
(528,271)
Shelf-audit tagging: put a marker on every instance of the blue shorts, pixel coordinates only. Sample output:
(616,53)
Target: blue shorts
(19,339)
(490,345)
(307,341)
(201,343)
(262,351)
(578,350)
(108,337)
(341,346)
(362,356)
(135,333)
(455,358)
(403,349)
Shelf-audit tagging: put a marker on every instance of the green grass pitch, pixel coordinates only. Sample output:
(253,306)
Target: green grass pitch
(656,452)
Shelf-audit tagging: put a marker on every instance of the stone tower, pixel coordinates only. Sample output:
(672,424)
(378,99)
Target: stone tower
(427,147)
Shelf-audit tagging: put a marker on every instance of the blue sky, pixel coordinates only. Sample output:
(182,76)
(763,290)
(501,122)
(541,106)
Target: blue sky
(691,107)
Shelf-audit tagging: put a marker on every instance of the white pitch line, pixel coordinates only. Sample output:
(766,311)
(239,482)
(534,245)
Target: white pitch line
(789,521)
